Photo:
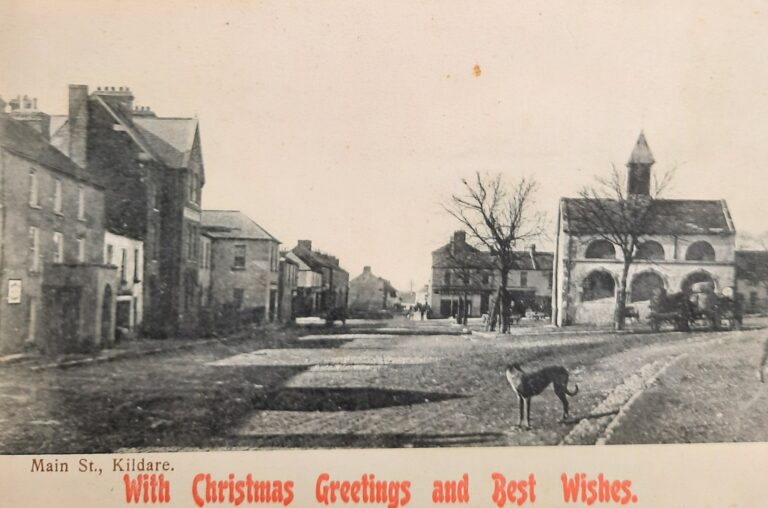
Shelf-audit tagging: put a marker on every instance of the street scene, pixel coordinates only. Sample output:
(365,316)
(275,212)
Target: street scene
(389,384)
(326,226)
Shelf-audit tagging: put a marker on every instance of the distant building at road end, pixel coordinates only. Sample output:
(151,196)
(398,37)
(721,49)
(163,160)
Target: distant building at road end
(461,272)
(689,241)
(370,293)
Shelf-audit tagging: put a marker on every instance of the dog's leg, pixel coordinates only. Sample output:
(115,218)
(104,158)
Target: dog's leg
(527,412)
(520,404)
(560,392)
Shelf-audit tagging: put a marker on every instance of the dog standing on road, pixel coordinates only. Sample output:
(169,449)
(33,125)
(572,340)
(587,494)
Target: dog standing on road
(528,384)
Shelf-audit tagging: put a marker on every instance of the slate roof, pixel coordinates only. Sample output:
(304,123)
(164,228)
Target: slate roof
(169,140)
(317,260)
(669,216)
(752,264)
(233,224)
(467,256)
(24,141)
(296,259)
(172,139)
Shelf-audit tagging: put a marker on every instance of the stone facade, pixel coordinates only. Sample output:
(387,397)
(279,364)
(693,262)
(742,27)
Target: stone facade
(687,241)
(462,272)
(335,280)
(245,262)
(58,294)
(152,171)
(752,279)
(368,292)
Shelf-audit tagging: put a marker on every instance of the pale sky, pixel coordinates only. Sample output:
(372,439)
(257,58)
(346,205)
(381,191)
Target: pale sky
(348,123)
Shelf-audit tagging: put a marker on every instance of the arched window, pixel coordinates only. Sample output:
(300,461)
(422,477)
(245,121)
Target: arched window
(700,251)
(601,249)
(598,285)
(650,250)
(644,284)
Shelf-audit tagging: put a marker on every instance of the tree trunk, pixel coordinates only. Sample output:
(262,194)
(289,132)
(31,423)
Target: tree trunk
(505,310)
(465,313)
(621,301)
(493,315)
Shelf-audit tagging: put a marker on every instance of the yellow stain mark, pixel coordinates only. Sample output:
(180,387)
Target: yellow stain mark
(476,70)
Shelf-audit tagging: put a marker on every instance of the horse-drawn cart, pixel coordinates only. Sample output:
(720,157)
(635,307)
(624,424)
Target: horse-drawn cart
(700,306)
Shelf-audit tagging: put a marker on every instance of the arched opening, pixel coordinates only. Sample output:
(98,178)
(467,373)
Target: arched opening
(598,285)
(600,249)
(106,314)
(643,286)
(700,251)
(650,250)
(693,278)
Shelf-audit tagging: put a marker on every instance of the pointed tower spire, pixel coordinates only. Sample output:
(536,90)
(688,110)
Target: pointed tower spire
(640,162)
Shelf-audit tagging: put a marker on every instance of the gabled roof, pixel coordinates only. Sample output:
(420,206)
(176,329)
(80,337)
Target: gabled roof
(169,140)
(24,141)
(668,216)
(123,116)
(527,260)
(461,255)
(233,224)
(317,260)
(752,265)
(467,256)
(296,259)
(172,139)
(290,260)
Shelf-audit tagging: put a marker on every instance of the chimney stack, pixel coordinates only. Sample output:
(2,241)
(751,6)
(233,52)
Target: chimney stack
(117,96)
(366,270)
(25,110)
(78,124)
(305,244)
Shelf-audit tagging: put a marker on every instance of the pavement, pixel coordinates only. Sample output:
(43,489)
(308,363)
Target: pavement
(390,384)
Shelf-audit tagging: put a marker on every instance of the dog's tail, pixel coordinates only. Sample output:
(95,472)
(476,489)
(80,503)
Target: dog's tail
(572,393)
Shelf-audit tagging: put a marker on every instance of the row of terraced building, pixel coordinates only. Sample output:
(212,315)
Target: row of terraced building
(103,235)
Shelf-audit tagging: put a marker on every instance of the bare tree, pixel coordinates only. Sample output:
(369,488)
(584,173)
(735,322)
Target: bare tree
(498,215)
(610,212)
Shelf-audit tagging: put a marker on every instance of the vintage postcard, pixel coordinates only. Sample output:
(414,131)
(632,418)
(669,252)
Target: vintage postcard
(295,253)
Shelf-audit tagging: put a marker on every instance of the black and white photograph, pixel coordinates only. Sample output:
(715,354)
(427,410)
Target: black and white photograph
(264,225)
